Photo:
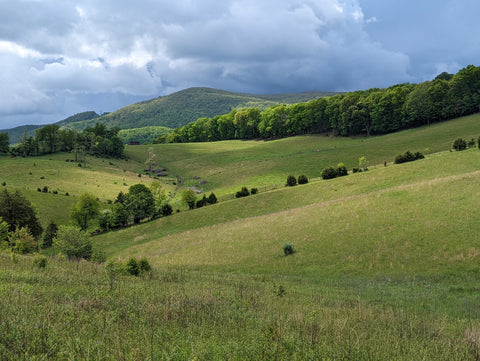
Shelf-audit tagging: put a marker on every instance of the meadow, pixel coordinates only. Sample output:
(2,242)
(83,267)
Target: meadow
(386,264)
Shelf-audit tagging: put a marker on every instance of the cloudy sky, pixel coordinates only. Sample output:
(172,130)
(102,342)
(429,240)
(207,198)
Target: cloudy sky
(61,57)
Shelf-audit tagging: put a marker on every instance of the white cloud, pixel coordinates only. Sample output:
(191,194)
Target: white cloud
(54,53)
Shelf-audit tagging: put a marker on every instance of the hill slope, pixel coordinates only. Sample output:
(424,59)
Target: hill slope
(16,134)
(188,105)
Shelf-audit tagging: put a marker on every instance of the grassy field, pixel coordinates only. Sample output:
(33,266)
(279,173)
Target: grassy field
(229,165)
(387,262)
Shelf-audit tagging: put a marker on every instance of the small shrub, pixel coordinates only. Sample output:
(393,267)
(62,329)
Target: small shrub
(42,177)
(356,170)
(291,181)
(471,143)
(55,192)
(212,198)
(80,165)
(166,210)
(244,192)
(341,170)
(41,262)
(67,194)
(4,184)
(132,267)
(459,144)
(302,179)
(45,189)
(254,191)
(202,202)
(329,173)
(144,265)
(408,157)
(39,189)
(288,249)
(478,142)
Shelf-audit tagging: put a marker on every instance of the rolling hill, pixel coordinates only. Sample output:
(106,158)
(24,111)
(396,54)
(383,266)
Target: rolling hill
(385,268)
(188,105)
(16,134)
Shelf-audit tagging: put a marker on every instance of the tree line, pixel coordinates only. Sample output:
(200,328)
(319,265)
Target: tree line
(365,112)
(98,140)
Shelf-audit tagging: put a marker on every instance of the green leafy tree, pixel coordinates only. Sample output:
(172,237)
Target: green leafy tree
(341,170)
(73,243)
(189,198)
(85,210)
(22,241)
(362,163)
(158,193)
(47,138)
(50,234)
(119,216)
(18,212)
(4,143)
(139,202)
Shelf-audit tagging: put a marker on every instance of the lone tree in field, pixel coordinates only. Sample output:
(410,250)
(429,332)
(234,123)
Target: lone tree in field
(18,212)
(139,202)
(85,210)
(150,162)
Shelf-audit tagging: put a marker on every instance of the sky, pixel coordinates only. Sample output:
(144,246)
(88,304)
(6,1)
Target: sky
(62,57)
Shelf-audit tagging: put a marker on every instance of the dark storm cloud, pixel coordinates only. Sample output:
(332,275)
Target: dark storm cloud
(58,57)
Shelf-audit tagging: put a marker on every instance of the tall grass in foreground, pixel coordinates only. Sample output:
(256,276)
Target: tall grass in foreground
(69,311)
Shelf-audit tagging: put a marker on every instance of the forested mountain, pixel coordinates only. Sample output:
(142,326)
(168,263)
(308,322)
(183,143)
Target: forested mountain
(188,105)
(363,112)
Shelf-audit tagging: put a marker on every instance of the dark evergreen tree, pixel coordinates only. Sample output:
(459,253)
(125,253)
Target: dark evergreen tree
(50,234)
(18,212)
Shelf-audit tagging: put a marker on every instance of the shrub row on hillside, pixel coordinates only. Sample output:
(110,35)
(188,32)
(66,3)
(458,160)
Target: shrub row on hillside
(408,157)
(331,172)
(292,181)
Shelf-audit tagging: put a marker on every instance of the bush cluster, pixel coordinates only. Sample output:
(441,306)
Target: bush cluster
(292,181)
(212,199)
(137,268)
(408,157)
(244,192)
(331,172)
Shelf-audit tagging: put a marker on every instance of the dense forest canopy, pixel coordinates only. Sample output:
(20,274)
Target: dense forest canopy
(366,112)
(97,140)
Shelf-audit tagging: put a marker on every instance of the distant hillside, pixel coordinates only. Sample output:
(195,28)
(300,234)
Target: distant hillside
(16,134)
(188,105)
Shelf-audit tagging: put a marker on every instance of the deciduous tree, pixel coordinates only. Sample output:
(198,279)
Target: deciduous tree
(85,210)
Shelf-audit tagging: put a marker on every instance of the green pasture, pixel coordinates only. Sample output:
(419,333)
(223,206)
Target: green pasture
(387,262)
(229,165)
(104,178)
